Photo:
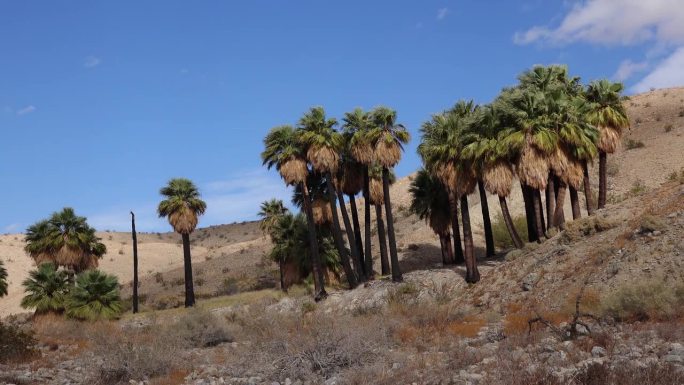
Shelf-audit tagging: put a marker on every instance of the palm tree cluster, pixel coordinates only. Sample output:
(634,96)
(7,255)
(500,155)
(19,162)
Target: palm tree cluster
(324,164)
(61,246)
(544,131)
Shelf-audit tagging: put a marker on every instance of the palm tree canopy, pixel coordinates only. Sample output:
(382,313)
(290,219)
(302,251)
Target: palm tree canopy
(270,212)
(430,201)
(46,289)
(182,205)
(607,112)
(377,195)
(95,296)
(284,151)
(65,239)
(3,280)
(322,142)
(387,136)
(356,127)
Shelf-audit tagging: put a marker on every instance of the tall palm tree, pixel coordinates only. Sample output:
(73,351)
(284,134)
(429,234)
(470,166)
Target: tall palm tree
(46,289)
(377,198)
(284,151)
(94,297)
(182,206)
(350,181)
(430,201)
(494,159)
(357,126)
(270,213)
(323,146)
(607,112)
(3,280)
(387,138)
(64,239)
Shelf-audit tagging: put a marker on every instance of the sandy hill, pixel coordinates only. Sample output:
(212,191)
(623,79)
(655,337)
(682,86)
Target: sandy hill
(229,258)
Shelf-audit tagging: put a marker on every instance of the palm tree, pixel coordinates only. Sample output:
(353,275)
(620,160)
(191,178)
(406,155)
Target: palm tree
(66,240)
(270,212)
(95,297)
(183,207)
(284,151)
(357,126)
(387,138)
(495,168)
(3,280)
(606,112)
(430,201)
(46,289)
(323,146)
(350,182)
(377,198)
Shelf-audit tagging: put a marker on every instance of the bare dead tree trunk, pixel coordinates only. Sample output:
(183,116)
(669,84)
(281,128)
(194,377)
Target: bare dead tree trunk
(135,264)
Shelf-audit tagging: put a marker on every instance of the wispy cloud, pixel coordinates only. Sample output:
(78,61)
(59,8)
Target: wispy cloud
(442,13)
(667,73)
(628,68)
(26,110)
(91,62)
(234,199)
(12,228)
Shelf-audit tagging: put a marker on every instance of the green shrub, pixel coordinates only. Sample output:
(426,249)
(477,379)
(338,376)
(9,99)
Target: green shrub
(95,296)
(648,300)
(502,238)
(631,144)
(15,344)
(46,289)
(638,188)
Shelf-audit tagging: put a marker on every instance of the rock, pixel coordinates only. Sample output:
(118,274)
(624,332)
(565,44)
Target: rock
(529,281)
(656,233)
(396,366)
(598,351)
(675,359)
(331,381)
(581,330)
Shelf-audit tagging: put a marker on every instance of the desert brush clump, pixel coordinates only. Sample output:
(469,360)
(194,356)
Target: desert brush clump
(649,300)
(585,227)
(16,345)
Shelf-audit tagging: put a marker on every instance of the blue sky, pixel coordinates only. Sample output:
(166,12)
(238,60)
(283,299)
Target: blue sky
(102,102)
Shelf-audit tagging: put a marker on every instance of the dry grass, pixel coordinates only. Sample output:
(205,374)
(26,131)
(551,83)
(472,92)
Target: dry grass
(649,300)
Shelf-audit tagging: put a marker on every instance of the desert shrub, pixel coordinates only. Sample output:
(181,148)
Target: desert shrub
(677,176)
(168,302)
(199,329)
(15,344)
(502,239)
(133,355)
(631,144)
(638,188)
(159,278)
(612,168)
(403,293)
(585,227)
(229,286)
(649,300)
(650,223)
(668,127)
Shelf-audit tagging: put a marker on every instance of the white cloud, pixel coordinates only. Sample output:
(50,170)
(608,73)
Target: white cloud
(91,62)
(26,110)
(442,13)
(236,198)
(12,228)
(669,73)
(628,68)
(614,22)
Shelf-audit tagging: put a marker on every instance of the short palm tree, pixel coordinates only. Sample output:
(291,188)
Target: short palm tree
(430,201)
(269,212)
(3,280)
(182,207)
(94,297)
(284,151)
(606,112)
(387,138)
(323,147)
(357,125)
(46,289)
(64,239)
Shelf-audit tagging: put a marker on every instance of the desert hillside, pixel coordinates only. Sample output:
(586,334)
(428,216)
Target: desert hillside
(230,258)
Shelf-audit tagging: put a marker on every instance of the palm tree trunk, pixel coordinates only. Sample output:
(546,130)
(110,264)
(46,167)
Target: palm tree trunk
(449,251)
(350,235)
(442,248)
(556,185)
(135,264)
(509,223)
(558,216)
(537,194)
(550,200)
(384,261)
(603,185)
(337,235)
(486,221)
(458,248)
(357,236)
(529,213)
(537,206)
(587,189)
(319,283)
(472,274)
(187,262)
(281,268)
(574,200)
(396,270)
(368,256)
